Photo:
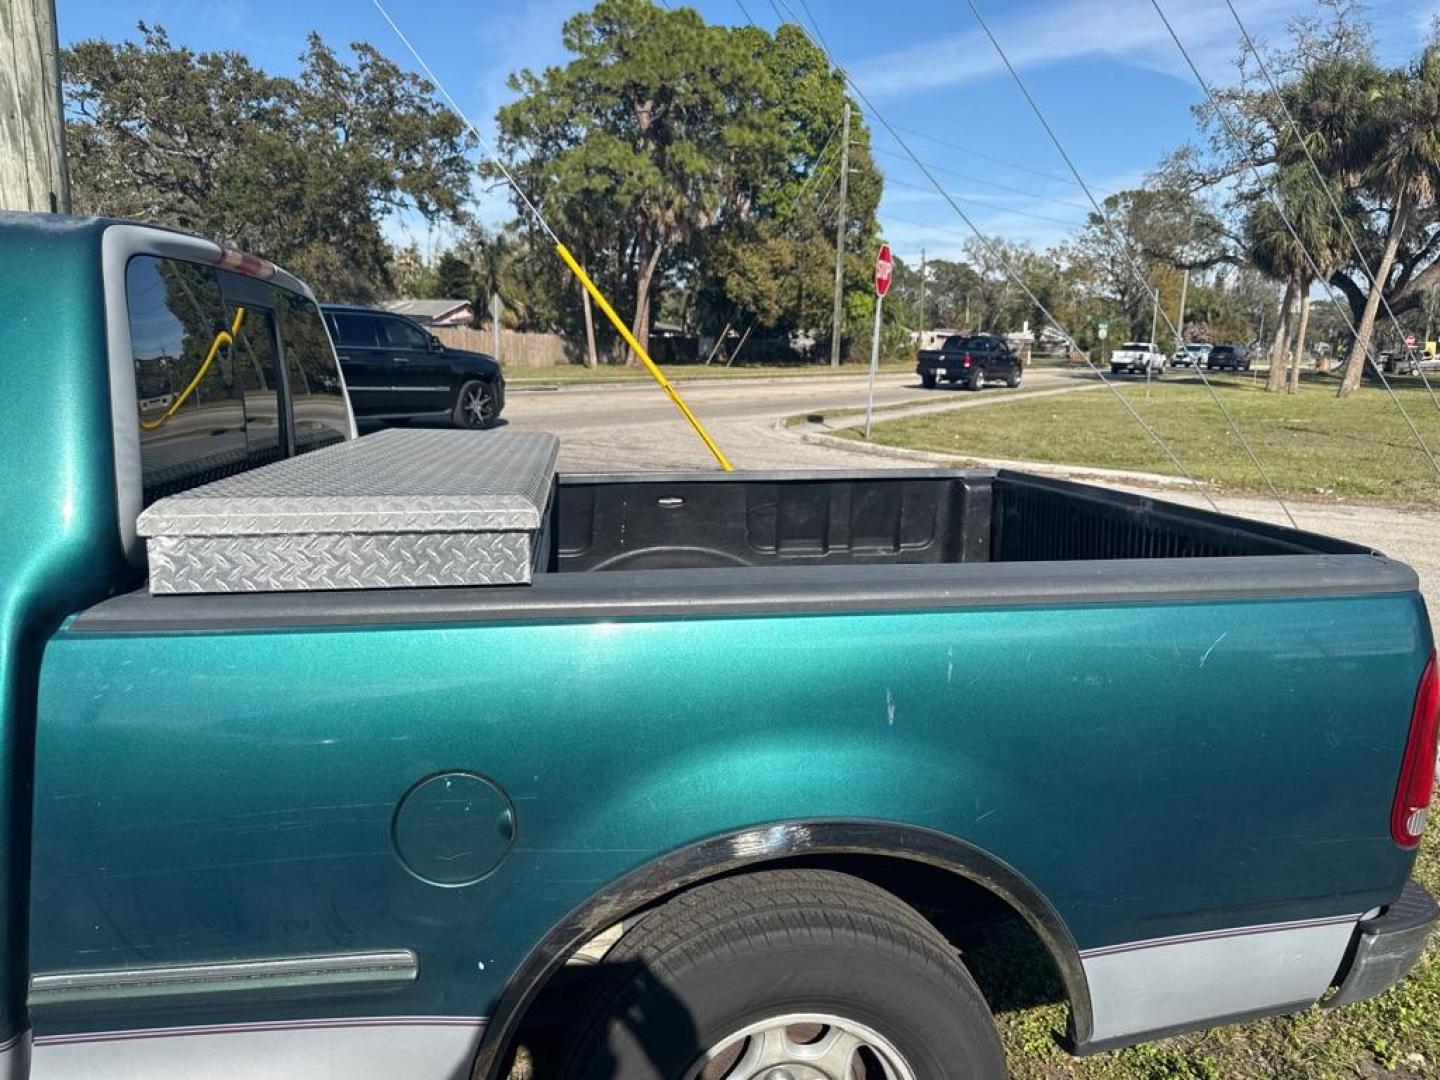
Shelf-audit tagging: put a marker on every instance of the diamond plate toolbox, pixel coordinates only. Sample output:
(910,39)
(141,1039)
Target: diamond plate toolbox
(394,510)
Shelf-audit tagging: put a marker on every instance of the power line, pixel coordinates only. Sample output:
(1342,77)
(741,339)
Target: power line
(949,144)
(988,183)
(1329,195)
(1275,201)
(972,179)
(816,25)
(988,205)
(484,145)
(1015,277)
(1124,248)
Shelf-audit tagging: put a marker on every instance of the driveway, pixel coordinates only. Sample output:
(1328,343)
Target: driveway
(635,428)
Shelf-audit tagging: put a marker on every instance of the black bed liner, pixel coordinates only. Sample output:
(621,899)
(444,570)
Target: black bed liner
(689,521)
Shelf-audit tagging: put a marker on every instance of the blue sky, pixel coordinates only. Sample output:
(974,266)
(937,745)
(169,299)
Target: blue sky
(1105,71)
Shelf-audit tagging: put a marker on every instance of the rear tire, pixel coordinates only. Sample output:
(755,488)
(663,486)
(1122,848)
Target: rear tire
(774,966)
(976,380)
(927,381)
(474,406)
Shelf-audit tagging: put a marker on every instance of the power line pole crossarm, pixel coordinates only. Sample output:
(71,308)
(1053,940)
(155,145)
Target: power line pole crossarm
(33,175)
(840,229)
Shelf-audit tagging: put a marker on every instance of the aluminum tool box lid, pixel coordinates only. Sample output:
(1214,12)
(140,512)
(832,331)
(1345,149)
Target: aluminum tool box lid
(397,509)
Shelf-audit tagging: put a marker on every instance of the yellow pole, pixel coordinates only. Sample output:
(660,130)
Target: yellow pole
(650,366)
(221,339)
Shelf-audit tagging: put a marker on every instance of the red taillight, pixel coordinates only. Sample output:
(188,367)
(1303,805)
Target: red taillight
(242,262)
(1417,770)
(966,361)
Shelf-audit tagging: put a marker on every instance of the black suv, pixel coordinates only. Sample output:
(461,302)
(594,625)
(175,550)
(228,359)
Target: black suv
(1228,356)
(396,370)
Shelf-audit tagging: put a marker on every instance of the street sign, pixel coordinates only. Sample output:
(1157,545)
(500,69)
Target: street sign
(1104,330)
(884,271)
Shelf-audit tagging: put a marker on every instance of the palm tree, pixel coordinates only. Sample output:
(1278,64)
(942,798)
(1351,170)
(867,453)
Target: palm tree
(1403,172)
(1290,247)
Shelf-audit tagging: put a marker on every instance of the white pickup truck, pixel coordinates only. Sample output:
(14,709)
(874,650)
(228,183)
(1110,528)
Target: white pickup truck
(1138,356)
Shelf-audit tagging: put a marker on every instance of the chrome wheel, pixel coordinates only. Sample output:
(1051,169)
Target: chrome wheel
(476,408)
(803,1046)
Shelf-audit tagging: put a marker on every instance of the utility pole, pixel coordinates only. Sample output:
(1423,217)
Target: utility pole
(591,357)
(32,122)
(1154,318)
(1184,295)
(840,231)
(497,311)
(921,343)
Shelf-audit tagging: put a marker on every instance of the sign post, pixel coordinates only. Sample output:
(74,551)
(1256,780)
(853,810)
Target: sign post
(1102,329)
(884,271)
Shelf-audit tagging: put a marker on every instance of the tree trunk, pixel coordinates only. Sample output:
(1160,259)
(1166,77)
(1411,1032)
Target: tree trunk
(1294,382)
(643,280)
(1279,351)
(592,359)
(1355,366)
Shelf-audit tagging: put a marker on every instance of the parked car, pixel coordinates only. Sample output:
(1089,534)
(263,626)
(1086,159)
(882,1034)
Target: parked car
(974,360)
(1231,357)
(1192,355)
(1137,357)
(296,829)
(396,370)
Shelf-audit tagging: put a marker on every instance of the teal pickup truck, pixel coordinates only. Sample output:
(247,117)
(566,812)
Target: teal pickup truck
(724,780)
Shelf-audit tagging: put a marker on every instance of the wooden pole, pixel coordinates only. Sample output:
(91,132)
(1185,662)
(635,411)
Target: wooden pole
(842,221)
(592,359)
(32,120)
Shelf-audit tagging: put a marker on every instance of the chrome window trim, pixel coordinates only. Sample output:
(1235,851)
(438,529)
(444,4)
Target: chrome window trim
(385,967)
(403,389)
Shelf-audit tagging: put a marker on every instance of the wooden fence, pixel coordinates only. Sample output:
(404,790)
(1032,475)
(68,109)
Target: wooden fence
(520,350)
(517,349)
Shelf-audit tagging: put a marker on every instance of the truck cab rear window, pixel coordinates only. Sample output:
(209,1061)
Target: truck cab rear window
(209,382)
(205,377)
(317,393)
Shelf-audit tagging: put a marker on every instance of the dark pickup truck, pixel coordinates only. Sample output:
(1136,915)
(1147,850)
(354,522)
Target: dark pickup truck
(973,360)
(380,757)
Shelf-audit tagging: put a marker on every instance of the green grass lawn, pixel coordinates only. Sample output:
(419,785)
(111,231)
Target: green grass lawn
(1314,445)
(1394,1035)
(577,374)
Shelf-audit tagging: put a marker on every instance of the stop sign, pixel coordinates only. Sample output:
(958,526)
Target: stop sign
(884,270)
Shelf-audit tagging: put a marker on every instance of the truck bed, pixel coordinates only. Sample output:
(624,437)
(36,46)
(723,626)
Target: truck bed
(830,542)
(696,521)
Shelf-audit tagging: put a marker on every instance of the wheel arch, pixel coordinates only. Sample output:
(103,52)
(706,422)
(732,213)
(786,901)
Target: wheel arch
(761,846)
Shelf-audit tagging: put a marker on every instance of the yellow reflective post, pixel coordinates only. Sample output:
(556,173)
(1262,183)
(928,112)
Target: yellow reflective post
(222,338)
(650,366)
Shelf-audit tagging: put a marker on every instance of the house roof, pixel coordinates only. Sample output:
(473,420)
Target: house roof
(425,310)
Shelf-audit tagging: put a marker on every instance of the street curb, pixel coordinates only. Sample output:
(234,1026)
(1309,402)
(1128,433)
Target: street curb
(1044,468)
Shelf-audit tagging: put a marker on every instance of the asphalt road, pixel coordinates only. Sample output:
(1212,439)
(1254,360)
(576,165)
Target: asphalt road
(625,428)
(636,428)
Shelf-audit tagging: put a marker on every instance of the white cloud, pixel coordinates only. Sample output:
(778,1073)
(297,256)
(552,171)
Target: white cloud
(1125,31)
